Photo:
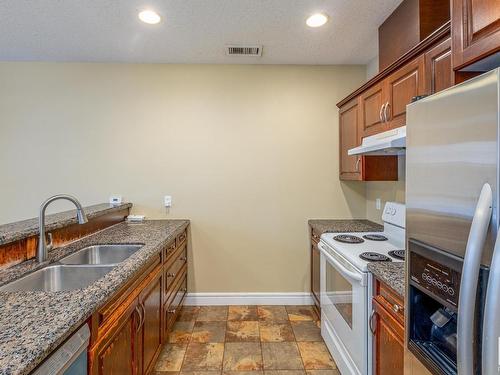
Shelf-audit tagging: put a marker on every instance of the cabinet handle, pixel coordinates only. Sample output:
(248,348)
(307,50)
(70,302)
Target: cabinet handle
(172,311)
(357,163)
(183,259)
(396,308)
(184,290)
(143,314)
(370,322)
(170,274)
(138,311)
(386,116)
(380,113)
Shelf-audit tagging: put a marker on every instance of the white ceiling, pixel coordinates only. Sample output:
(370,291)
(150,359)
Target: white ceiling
(192,31)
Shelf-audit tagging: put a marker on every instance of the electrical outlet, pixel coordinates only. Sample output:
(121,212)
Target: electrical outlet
(167,201)
(378,204)
(115,199)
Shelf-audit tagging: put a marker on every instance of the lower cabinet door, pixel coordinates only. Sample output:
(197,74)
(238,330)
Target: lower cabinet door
(116,352)
(388,348)
(149,340)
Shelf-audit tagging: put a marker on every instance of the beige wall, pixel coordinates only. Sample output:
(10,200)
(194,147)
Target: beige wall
(248,153)
(387,191)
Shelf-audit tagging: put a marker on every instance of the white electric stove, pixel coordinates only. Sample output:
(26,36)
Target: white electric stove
(346,289)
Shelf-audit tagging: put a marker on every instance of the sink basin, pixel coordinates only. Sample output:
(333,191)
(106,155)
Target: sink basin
(58,277)
(101,254)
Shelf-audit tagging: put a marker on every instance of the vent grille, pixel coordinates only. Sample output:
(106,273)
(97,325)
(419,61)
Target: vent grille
(236,50)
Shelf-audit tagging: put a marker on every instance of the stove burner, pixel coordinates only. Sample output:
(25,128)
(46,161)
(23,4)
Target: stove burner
(346,238)
(375,237)
(398,254)
(374,257)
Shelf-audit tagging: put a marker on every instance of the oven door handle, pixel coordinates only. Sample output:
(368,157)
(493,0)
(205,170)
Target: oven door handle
(340,268)
(469,281)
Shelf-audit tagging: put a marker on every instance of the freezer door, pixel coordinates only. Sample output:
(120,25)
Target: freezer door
(452,151)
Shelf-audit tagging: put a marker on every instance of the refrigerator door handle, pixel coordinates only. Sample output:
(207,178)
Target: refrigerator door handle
(469,281)
(491,319)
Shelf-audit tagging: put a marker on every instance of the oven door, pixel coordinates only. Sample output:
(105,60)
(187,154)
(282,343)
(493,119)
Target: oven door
(344,312)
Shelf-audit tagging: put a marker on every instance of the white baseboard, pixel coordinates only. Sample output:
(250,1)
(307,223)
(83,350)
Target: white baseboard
(213,299)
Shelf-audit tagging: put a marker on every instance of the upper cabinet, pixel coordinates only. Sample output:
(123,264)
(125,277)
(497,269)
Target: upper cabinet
(438,71)
(372,102)
(360,168)
(475,30)
(383,105)
(350,166)
(417,57)
(400,87)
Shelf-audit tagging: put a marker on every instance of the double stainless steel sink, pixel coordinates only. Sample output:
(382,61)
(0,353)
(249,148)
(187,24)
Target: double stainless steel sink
(75,271)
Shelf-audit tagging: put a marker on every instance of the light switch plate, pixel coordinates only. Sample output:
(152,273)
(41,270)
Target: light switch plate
(378,204)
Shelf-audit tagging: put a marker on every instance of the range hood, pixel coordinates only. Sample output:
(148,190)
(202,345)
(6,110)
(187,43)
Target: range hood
(391,142)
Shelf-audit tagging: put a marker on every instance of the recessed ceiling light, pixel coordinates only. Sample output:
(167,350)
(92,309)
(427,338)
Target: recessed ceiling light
(317,20)
(149,16)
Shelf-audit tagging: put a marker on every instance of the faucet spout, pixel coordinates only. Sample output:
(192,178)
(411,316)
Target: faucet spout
(43,246)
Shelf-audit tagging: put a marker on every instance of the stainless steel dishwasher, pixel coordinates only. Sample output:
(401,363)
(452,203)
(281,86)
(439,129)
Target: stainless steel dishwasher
(70,358)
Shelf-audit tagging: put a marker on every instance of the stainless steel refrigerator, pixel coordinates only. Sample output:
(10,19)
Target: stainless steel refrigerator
(452,195)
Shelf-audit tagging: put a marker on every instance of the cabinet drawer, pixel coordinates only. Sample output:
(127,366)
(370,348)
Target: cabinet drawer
(169,250)
(181,238)
(178,298)
(174,267)
(391,301)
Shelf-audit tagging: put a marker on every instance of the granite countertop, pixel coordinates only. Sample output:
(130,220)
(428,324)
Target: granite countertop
(321,226)
(33,324)
(22,229)
(390,273)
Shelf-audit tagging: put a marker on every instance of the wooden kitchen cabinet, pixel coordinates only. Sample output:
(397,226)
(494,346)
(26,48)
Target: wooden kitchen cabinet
(315,271)
(371,104)
(399,89)
(128,331)
(387,326)
(149,331)
(438,70)
(388,344)
(383,106)
(475,30)
(360,168)
(116,352)
(350,166)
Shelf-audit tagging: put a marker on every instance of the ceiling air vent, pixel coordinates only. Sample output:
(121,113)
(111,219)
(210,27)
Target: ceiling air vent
(244,50)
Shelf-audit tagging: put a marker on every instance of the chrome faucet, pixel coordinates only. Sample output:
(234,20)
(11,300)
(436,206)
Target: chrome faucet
(43,246)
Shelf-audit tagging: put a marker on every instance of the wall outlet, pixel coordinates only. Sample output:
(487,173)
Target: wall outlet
(167,200)
(115,199)
(378,204)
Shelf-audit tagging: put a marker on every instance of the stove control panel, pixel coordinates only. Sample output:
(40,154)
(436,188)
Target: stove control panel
(437,278)
(394,213)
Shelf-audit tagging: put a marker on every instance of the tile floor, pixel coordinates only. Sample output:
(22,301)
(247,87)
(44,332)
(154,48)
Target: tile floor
(246,340)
